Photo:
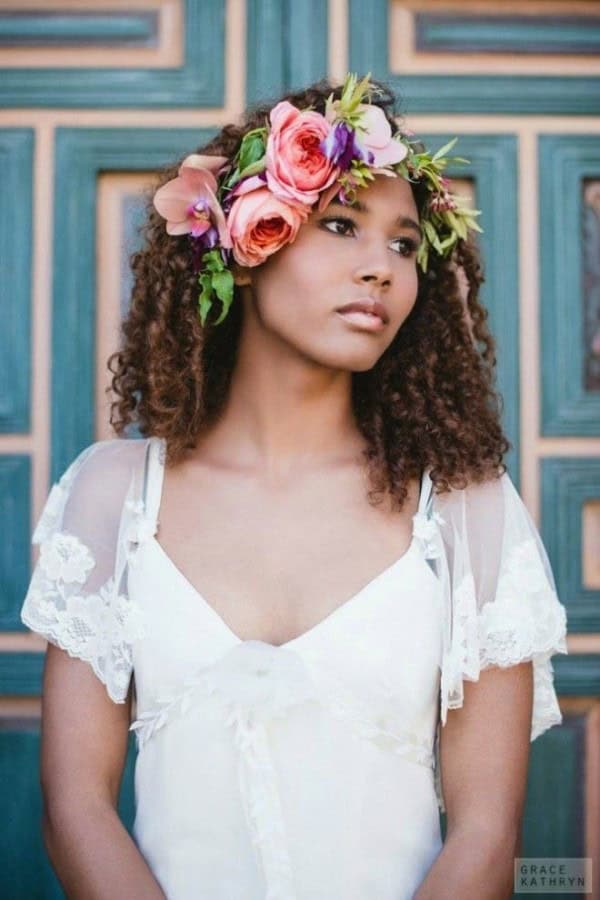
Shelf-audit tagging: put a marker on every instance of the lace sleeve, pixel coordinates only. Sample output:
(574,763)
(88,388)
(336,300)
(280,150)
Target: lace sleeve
(77,597)
(501,599)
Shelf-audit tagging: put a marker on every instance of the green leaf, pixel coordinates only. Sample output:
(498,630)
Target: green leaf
(457,224)
(448,242)
(423,255)
(431,234)
(213,261)
(233,179)
(465,211)
(443,150)
(205,297)
(252,148)
(254,168)
(223,285)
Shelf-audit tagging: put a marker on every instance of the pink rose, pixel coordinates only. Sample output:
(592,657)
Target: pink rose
(189,203)
(259,224)
(297,169)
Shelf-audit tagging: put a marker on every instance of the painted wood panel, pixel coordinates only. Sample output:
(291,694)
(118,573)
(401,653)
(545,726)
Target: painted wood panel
(15,489)
(16,214)
(450,93)
(198,82)
(565,163)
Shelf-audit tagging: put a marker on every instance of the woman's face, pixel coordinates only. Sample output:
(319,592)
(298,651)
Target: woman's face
(342,255)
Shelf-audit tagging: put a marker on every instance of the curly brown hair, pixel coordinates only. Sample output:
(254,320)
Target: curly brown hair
(429,401)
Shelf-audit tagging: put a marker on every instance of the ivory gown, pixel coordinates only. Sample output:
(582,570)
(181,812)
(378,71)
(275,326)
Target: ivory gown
(309,770)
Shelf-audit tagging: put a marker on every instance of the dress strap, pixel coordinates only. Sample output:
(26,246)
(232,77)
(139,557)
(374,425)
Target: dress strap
(426,488)
(153,478)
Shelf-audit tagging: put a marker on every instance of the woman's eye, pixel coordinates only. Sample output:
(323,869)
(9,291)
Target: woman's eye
(344,222)
(408,246)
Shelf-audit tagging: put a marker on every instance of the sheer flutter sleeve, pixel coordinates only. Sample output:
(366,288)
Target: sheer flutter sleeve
(77,597)
(500,596)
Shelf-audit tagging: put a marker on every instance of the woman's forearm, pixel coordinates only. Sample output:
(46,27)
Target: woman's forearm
(94,856)
(473,862)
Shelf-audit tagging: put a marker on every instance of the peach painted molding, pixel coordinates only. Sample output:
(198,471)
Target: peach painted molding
(591,544)
(576,643)
(404,59)
(167,54)
(338,40)
(20,707)
(111,190)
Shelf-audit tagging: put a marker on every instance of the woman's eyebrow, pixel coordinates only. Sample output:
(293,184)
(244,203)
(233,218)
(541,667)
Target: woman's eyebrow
(403,221)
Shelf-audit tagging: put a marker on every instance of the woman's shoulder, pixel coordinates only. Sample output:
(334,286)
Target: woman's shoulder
(96,481)
(117,450)
(475,493)
(106,459)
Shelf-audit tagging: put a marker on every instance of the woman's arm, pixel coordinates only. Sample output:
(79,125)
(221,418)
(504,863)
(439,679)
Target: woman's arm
(484,755)
(84,746)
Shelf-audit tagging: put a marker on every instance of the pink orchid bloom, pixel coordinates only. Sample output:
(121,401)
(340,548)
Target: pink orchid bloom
(328,195)
(189,203)
(378,137)
(247,184)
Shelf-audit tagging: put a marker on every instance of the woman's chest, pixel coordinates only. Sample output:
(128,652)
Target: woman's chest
(273,564)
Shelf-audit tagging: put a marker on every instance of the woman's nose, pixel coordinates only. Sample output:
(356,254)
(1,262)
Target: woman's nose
(376,273)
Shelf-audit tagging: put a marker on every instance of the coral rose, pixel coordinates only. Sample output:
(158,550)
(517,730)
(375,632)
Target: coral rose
(297,169)
(259,224)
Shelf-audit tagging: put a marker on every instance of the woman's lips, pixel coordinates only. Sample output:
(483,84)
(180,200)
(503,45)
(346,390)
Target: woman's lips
(362,321)
(366,313)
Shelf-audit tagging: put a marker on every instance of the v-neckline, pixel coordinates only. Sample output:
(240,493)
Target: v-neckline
(154,488)
(322,624)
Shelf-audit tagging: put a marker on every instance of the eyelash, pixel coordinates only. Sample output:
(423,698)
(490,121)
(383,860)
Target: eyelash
(410,244)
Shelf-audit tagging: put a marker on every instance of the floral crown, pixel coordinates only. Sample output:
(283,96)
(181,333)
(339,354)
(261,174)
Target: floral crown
(248,207)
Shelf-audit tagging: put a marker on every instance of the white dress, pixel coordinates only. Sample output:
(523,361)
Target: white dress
(309,770)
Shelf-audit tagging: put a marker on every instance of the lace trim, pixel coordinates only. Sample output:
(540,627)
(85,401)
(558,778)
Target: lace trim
(409,745)
(524,623)
(98,627)
(259,790)
(101,626)
(521,624)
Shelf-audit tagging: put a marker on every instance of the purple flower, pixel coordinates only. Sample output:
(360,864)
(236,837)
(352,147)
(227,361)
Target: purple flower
(200,244)
(209,238)
(341,146)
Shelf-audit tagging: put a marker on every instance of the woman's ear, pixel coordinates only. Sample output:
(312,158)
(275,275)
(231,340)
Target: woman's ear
(241,274)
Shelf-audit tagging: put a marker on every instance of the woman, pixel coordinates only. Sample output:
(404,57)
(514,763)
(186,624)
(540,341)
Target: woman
(337,610)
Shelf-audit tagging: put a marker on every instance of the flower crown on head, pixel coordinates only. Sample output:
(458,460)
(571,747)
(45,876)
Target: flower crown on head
(246,208)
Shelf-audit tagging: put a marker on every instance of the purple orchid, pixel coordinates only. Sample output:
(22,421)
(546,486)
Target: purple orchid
(341,146)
